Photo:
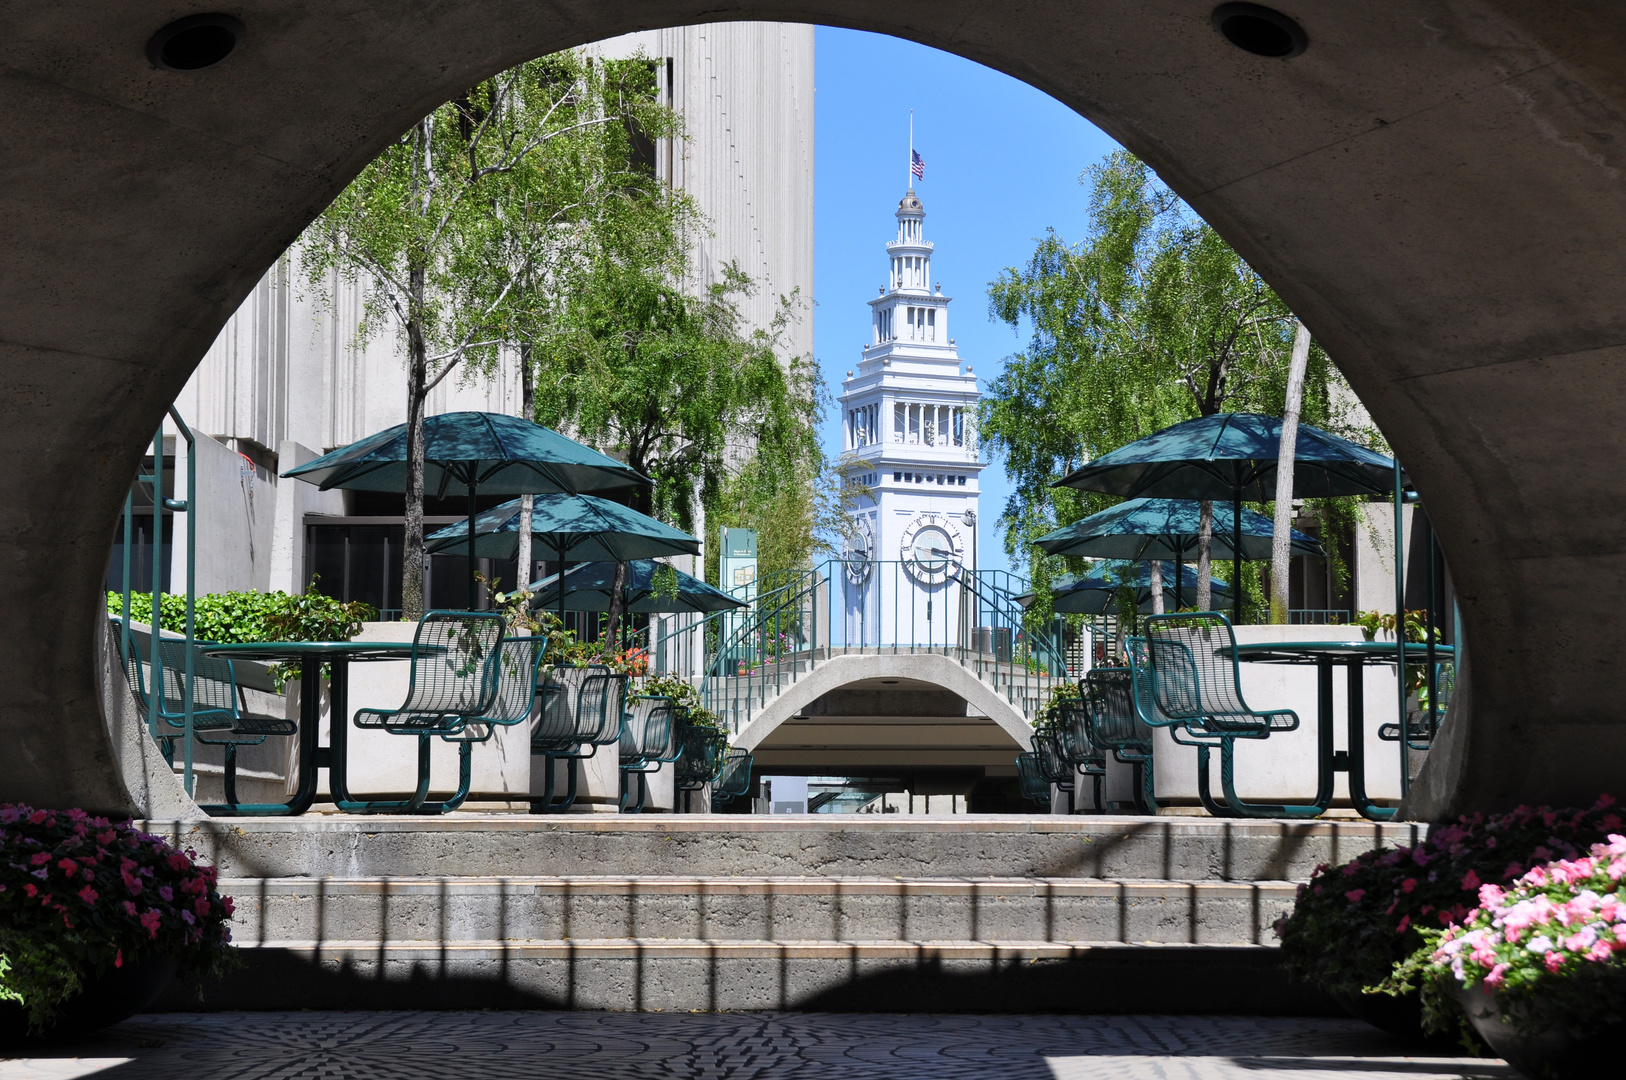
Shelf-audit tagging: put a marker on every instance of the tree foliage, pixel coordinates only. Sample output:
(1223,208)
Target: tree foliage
(1151,319)
(466,226)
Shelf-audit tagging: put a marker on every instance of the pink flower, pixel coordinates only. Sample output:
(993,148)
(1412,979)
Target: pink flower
(1554,961)
(129,908)
(1489,895)
(1405,921)
(1408,885)
(40,859)
(1496,974)
(88,895)
(1354,895)
(151,919)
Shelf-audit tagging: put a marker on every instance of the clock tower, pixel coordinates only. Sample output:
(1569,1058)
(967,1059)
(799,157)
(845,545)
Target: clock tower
(909,436)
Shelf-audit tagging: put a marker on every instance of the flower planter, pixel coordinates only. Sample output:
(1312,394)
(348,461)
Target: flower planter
(117,995)
(1553,1053)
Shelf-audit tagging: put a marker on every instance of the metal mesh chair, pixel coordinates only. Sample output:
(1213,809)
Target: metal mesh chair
(648,740)
(518,689)
(1052,765)
(1420,726)
(1194,732)
(1030,777)
(453,678)
(1196,679)
(1196,675)
(581,711)
(700,759)
(219,713)
(1073,742)
(452,684)
(734,779)
(1107,696)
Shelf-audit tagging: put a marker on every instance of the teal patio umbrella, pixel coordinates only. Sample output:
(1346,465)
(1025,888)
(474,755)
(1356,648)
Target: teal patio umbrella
(1096,592)
(501,455)
(1231,457)
(588,586)
(1153,530)
(579,528)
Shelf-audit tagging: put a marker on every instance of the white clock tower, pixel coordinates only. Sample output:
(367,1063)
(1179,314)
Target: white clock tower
(909,435)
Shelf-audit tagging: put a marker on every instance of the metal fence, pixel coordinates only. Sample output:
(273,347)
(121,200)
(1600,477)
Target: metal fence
(797,620)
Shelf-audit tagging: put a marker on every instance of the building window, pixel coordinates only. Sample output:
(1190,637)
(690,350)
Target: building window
(899,423)
(931,324)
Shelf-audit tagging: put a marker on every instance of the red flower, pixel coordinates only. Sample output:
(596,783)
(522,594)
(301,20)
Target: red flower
(1354,895)
(89,895)
(1408,885)
(1405,921)
(150,919)
(1470,881)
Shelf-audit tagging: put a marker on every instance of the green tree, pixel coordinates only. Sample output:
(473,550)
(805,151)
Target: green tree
(1150,320)
(433,226)
(674,384)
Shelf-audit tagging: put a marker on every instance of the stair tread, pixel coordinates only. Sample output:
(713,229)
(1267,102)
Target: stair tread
(806,948)
(740,883)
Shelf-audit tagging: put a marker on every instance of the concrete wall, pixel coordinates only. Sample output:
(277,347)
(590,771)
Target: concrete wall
(1436,189)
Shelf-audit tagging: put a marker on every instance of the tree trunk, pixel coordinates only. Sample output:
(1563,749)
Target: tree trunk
(412,599)
(1205,549)
(618,589)
(1157,586)
(1282,532)
(527,409)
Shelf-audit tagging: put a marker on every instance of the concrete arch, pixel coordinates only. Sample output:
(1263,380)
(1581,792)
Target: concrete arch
(929,668)
(1436,186)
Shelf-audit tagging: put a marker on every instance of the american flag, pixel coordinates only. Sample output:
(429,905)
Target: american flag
(917,165)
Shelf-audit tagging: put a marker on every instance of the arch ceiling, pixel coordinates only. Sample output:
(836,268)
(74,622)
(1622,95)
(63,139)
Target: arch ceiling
(1434,185)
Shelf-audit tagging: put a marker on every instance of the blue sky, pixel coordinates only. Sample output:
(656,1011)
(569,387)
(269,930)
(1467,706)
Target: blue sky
(1002,165)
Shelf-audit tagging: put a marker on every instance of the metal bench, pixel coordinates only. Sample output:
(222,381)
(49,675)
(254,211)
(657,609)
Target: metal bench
(1107,697)
(581,710)
(220,715)
(453,682)
(1196,680)
(648,741)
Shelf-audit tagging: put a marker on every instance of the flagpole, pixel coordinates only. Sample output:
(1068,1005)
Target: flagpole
(911,149)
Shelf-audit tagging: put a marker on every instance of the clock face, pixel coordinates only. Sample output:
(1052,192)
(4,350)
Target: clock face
(860,552)
(931,549)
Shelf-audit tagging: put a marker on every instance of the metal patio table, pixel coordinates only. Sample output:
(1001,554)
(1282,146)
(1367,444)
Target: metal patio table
(311,655)
(1354,656)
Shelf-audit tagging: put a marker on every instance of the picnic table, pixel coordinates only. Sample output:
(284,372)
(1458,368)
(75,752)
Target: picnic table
(1353,656)
(310,656)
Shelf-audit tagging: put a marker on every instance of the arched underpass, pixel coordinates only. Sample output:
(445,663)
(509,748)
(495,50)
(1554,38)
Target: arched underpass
(1437,188)
(922,723)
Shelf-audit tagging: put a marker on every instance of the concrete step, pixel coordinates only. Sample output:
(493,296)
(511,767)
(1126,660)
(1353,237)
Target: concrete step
(961,847)
(295,912)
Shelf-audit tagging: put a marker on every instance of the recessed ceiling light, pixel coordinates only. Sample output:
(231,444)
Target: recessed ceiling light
(1259,30)
(194,43)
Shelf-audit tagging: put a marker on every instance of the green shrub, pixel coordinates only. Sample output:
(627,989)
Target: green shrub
(253,616)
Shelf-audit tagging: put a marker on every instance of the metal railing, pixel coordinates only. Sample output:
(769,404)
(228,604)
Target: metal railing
(800,619)
(1319,617)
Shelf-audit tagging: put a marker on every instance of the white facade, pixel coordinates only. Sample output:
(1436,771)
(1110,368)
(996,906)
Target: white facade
(909,435)
(288,378)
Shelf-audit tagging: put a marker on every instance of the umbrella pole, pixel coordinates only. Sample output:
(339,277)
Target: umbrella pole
(1236,558)
(561,583)
(472,584)
(1179,575)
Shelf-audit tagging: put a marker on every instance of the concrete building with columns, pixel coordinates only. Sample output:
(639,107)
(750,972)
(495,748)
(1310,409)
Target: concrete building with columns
(288,377)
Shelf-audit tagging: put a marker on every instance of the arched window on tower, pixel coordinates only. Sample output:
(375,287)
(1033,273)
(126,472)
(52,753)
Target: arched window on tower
(931,324)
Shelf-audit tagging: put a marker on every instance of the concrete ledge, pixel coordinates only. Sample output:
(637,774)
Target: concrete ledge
(964,846)
(819,976)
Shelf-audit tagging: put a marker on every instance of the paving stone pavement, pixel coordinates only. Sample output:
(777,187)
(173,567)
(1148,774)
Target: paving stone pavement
(737,1046)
